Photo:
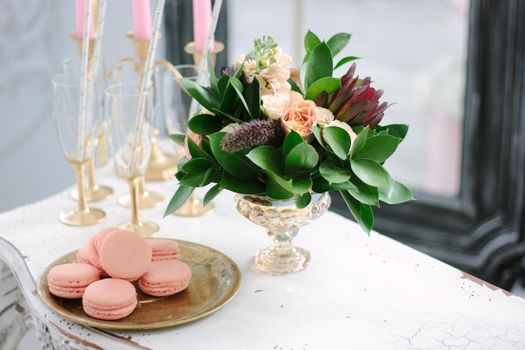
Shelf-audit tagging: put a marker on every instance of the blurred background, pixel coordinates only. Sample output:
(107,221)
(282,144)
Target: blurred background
(411,49)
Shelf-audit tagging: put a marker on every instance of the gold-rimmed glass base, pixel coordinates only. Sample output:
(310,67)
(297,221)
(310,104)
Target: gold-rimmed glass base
(143,228)
(162,166)
(95,194)
(194,207)
(88,216)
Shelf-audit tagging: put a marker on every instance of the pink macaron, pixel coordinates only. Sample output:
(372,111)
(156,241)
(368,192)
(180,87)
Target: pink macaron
(165,277)
(71,280)
(109,299)
(125,255)
(164,249)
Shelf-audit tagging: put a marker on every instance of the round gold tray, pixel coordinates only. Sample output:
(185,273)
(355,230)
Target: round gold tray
(215,281)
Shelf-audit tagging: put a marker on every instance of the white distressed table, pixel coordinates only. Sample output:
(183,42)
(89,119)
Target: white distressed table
(359,292)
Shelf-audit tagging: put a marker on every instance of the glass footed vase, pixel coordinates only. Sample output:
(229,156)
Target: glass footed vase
(282,219)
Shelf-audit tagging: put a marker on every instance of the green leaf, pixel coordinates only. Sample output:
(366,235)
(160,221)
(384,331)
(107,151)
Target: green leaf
(211,194)
(206,97)
(238,165)
(319,65)
(301,182)
(364,193)
(338,42)
(237,185)
(253,99)
(230,99)
(179,198)
(196,165)
(179,139)
(237,85)
(378,148)
(360,140)
(320,185)
(198,152)
(396,130)
(316,130)
(268,158)
(302,157)
(362,213)
(395,193)
(311,41)
(222,84)
(204,124)
(345,60)
(198,179)
(291,140)
(327,84)
(334,173)
(284,183)
(213,78)
(303,200)
(275,190)
(370,172)
(227,115)
(338,140)
(294,86)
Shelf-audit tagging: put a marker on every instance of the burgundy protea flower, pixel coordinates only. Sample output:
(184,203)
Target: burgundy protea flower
(253,133)
(356,102)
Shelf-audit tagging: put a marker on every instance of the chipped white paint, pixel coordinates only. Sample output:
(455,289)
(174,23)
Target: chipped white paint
(358,293)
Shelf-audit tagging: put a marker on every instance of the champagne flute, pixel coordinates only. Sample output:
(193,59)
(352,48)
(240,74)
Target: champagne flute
(77,135)
(177,104)
(132,131)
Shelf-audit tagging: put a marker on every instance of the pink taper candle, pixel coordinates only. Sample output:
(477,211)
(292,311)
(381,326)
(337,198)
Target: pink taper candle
(201,23)
(80,12)
(141,19)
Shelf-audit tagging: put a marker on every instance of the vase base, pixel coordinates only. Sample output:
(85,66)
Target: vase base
(270,261)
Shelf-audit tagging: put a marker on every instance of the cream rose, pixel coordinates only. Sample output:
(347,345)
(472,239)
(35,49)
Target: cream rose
(273,79)
(275,105)
(344,126)
(324,116)
(300,116)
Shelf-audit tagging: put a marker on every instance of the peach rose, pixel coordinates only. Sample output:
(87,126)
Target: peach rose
(300,116)
(195,137)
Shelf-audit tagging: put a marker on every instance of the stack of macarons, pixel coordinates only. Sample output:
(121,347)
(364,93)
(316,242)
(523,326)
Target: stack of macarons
(108,264)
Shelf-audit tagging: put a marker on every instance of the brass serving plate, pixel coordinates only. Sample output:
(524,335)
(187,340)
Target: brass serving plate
(215,281)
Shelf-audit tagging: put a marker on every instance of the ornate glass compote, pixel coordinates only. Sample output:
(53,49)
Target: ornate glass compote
(282,219)
(131,120)
(77,133)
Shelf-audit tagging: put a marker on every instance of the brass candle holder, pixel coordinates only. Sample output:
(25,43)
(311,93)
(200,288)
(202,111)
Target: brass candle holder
(94,192)
(162,166)
(197,55)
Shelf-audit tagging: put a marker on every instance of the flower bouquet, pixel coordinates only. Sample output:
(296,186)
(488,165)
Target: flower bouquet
(274,133)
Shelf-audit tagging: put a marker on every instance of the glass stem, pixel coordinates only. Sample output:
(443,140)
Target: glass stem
(134,192)
(282,241)
(142,186)
(79,171)
(92,182)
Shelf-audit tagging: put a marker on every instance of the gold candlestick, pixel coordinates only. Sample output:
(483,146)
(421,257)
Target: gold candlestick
(94,192)
(162,166)
(197,55)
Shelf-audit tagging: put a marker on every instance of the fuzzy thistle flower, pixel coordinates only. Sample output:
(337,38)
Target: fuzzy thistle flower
(252,134)
(356,102)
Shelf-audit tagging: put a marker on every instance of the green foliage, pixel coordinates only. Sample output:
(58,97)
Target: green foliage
(328,161)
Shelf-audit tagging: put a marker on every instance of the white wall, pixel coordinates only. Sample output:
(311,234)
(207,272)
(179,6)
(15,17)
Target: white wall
(34,39)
